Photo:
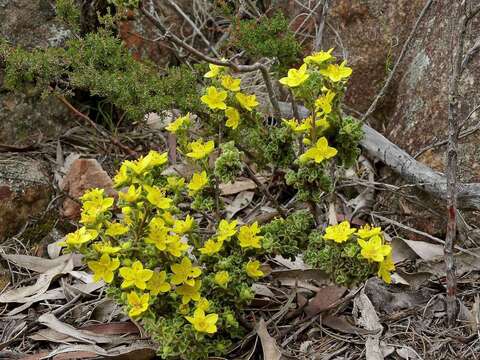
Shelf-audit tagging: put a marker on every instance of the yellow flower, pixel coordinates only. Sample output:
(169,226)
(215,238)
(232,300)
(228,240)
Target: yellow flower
(374,249)
(185,272)
(131,195)
(157,235)
(135,275)
(168,218)
(198,182)
(214,71)
(203,304)
(202,323)
(230,83)
(103,269)
(319,57)
(322,124)
(253,269)
(200,149)
(116,229)
(138,304)
(122,176)
(248,102)
(233,117)
(336,72)
(324,102)
(174,126)
(106,248)
(295,126)
(157,197)
(339,233)
(98,205)
(144,164)
(366,232)
(226,229)
(175,183)
(190,292)
(94,194)
(157,283)
(211,247)
(79,237)
(175,245)
(181,227)
(385,268)
(248,236)
(215,99)
(222,278)
(321,151)
(127,212)
(295,77)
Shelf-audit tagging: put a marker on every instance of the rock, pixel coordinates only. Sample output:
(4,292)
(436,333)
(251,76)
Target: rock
(413,114)
(25,120)
(24,192)
(82,175)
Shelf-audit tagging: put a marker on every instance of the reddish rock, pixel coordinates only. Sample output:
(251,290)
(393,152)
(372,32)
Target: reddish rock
(82,175)
(24,192)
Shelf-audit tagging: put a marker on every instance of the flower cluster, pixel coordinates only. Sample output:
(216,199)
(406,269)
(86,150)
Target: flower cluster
(349,254)
(159,264)
(225,94)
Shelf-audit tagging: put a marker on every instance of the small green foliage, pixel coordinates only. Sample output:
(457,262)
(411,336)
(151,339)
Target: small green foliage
(347,138)
(125,3)
(288,236)
(100,64)
(342,262)
(229,164)
(69,12)
(311,181)
(268,37)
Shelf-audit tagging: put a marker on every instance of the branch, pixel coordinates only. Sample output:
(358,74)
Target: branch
(384,89)
(378,146)
(321,27)
(238,68)
(193,25)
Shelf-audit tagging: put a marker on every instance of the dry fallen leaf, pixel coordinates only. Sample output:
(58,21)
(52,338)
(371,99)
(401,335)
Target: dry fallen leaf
(269,345)
(29,293)
(239,186)
(324,298)
(369,320)
(49,320)
(408,249)
(241,201)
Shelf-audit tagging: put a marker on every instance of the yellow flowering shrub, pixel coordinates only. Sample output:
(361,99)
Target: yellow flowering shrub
(350,255)
(163,247)
(184,285)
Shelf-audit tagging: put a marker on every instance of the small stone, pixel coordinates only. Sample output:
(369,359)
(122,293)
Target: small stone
(82,175)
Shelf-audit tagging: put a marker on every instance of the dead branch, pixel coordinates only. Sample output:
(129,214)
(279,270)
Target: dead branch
(378,146)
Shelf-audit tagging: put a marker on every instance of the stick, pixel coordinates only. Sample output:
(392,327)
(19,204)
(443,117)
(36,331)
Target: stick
(458,30)
(378,146)
(384,89)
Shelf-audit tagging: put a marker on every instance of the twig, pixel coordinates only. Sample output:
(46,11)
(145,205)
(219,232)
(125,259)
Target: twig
(469,55)
(384,89)
(458,30)
(321,27)
(265,191)
(238,68)
(95,126)
(194,26)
